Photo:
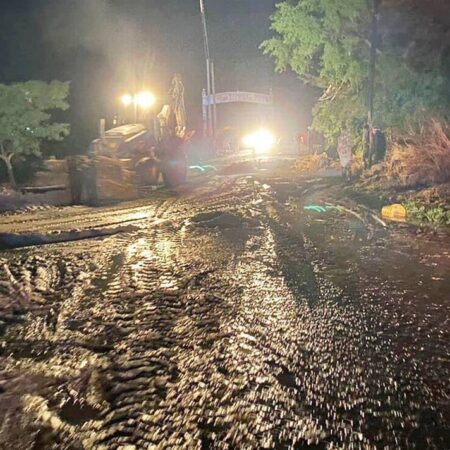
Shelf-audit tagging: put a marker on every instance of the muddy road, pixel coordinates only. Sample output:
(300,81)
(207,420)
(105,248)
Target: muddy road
(227,316)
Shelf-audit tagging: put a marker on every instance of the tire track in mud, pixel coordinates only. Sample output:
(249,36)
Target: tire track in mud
(48,331)
(78,322)
(166,353)
(86,217)
(143,411)
(168,382)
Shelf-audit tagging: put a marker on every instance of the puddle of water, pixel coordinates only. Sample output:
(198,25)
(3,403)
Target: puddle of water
(76,414)
(219,219)
(287,379)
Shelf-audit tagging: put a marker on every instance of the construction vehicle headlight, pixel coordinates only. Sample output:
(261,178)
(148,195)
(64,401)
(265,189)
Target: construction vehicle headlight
(262,141)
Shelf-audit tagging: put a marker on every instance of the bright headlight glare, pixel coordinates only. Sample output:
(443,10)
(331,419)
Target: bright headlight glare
(261,141)
(249,140)
(145,99)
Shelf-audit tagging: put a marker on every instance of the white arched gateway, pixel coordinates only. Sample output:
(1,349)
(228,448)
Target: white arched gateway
(210,102)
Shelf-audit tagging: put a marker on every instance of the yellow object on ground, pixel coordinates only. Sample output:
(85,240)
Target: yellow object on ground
(394,212)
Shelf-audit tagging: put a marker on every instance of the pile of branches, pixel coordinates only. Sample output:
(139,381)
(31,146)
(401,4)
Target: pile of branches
(423,158)
(314,163)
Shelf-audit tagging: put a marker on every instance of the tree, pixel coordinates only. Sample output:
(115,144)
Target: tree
(25,114)
(326,42)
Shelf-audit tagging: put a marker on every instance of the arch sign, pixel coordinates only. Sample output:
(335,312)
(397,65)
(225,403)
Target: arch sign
(210,101)
(238,97)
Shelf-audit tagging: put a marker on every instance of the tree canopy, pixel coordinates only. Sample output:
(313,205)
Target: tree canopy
(25,118)
(326,42)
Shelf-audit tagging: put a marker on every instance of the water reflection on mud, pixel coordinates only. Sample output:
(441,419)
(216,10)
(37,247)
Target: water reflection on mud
(232,318)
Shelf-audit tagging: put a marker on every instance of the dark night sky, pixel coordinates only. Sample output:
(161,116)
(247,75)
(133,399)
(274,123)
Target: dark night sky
(99,45)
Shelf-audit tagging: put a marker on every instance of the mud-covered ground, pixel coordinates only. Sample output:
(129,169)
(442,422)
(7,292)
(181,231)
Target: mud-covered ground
(226,317)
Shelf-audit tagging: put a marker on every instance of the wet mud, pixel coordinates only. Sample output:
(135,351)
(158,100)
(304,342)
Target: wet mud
(228,317)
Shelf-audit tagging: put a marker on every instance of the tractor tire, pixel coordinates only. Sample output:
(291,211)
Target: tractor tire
(174,172)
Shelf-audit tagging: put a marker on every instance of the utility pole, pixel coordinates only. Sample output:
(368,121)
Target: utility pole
(373,59)
(210,82)
(214,106)
(369,138)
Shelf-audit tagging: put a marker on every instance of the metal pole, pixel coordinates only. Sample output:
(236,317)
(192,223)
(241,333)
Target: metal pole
(208,89)
(208,64)
(213,85)
(373,60)
(102,128)
(205,113)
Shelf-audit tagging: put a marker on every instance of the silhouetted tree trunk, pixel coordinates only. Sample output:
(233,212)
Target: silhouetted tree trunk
(10,170)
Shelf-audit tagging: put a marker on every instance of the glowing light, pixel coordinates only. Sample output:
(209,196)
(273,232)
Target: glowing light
(262,141)
(145,100)
(126,99)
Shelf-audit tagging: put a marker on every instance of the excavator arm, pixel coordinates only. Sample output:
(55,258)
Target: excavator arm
(172,118)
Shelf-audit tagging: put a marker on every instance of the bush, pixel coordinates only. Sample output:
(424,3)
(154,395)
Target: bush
(423,214)
(423,158)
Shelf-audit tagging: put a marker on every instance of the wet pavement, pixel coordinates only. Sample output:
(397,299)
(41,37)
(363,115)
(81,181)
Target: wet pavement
(227,317)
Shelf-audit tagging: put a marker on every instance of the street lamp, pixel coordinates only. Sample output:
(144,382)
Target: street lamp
(143,100)
(126,99)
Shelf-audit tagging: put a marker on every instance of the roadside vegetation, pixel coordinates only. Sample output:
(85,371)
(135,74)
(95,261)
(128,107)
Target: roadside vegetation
(416,173)
(327,44)
(422,157)
(26,120)
(420,213)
